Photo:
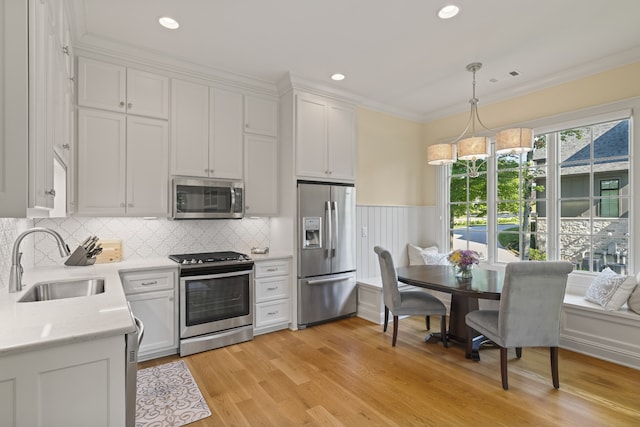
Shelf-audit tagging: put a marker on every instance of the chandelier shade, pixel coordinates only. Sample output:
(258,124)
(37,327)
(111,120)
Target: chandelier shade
(441,154)
(471,147)
(514,141)
(475,148)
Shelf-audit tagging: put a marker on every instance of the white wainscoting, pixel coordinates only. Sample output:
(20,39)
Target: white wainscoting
(392,227)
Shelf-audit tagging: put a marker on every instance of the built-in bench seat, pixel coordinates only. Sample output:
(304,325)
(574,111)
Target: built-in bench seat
(586,327)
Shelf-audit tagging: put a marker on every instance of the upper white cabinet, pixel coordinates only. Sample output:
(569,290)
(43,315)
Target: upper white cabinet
(122,164)
(261,175)
(260,115)
(206,131)
(325,139)
(117,88)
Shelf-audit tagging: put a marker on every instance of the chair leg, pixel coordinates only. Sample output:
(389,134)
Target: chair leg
(395,330)
(518,352)
(443,330)
(503,367)
(554,366)
(427,321)
(470,335)
(386,318)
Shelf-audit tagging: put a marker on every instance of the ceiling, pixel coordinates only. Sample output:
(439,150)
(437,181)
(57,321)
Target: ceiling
(397,55)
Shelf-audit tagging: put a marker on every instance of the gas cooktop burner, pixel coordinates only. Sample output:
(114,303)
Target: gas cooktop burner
(209,258)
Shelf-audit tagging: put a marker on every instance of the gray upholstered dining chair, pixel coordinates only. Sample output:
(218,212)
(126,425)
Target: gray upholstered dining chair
(529,313)
(406,303)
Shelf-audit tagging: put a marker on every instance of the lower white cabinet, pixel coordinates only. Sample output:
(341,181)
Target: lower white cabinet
(272,287)
(153,300)
(78,384)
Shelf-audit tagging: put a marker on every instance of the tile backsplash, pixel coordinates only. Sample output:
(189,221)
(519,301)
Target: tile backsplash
(141,238)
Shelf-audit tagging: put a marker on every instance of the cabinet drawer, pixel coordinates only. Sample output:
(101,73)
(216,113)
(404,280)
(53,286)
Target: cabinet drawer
(147,281)
(272,268)
(271,288)
(268,313)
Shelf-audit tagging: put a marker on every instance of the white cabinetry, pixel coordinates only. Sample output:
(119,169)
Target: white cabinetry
(117,88)
(122,164)
(206,136)
(272,288)
(152,296)
(325,139)
(260,115)
(261,175)
(261,156)
(50,91)
(79,384)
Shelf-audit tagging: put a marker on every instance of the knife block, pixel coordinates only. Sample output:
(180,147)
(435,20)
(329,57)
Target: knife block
(79,258)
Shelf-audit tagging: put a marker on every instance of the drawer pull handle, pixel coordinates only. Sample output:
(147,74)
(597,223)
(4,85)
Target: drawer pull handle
(272,313)
(272,269)
(273,288)
(155,282)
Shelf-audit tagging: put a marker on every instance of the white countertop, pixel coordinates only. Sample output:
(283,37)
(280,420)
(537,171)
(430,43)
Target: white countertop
(27,326)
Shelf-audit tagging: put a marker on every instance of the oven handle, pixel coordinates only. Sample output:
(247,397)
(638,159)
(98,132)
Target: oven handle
(216,275)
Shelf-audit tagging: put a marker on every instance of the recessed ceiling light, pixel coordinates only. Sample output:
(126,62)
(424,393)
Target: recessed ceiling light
(337,77)
(448,11)
(169,23)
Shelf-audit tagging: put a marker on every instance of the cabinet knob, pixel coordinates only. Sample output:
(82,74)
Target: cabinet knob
(51,192)
(122,205)
(72,79)
(129,105)
(122,103)
(130,205)
(65,50)
(246,125)
(66,146)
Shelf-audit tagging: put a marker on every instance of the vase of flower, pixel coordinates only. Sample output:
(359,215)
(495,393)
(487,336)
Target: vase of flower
(463,262)
(464,272)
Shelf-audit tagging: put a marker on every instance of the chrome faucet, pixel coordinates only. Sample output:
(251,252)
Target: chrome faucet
(15,278)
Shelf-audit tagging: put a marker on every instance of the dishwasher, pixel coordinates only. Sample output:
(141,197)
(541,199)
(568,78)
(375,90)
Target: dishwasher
(133,341)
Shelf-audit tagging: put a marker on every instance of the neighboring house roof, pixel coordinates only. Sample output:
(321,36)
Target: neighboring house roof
(610,150)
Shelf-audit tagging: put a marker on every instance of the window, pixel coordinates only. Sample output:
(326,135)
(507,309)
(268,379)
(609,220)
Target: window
(567,199)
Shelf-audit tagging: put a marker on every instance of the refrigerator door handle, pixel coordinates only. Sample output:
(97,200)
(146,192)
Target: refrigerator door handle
(329,280)
(337,231)
(329,228)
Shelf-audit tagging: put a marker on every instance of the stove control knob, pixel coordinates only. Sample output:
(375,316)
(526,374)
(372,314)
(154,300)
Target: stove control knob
(184,261)
(199,261)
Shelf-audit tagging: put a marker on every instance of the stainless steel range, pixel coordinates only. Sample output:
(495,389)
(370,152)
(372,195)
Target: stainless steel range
(216,300)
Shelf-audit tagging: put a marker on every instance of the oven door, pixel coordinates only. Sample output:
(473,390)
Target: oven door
(215,302)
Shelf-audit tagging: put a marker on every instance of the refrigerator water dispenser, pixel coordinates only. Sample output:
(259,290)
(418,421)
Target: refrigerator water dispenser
(312,232)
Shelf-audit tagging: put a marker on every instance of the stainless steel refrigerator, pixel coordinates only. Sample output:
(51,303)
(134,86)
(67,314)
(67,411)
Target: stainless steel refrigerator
(326,252)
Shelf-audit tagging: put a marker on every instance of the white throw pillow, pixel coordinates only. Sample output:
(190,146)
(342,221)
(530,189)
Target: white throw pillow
(415,253)
(606,285)
(634,300)
(435,258)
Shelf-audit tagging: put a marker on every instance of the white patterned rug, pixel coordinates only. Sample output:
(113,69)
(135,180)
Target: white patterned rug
(168,396)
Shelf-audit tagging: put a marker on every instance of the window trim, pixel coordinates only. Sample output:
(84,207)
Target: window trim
(624,109)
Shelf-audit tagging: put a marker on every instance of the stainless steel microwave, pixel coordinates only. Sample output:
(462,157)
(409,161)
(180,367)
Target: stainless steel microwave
(206,198)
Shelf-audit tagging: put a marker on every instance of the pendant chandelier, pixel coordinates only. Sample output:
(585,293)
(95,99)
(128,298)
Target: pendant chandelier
(476,148)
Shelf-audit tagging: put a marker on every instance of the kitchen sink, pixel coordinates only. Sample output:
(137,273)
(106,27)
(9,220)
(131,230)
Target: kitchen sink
(63,289)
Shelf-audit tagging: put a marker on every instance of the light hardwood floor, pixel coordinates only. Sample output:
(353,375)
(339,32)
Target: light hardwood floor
(345,373)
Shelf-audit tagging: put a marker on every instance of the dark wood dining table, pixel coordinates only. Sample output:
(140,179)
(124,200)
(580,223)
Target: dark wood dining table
(484,284)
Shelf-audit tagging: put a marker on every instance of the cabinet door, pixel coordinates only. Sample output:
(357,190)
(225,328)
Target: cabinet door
(225,134)
(341,142)
(147,166)
(157,312)
(101,162)
(42,106)
(189,128)
(261,175)
(260,115)
(101,85)
(311,137)
(147,94)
